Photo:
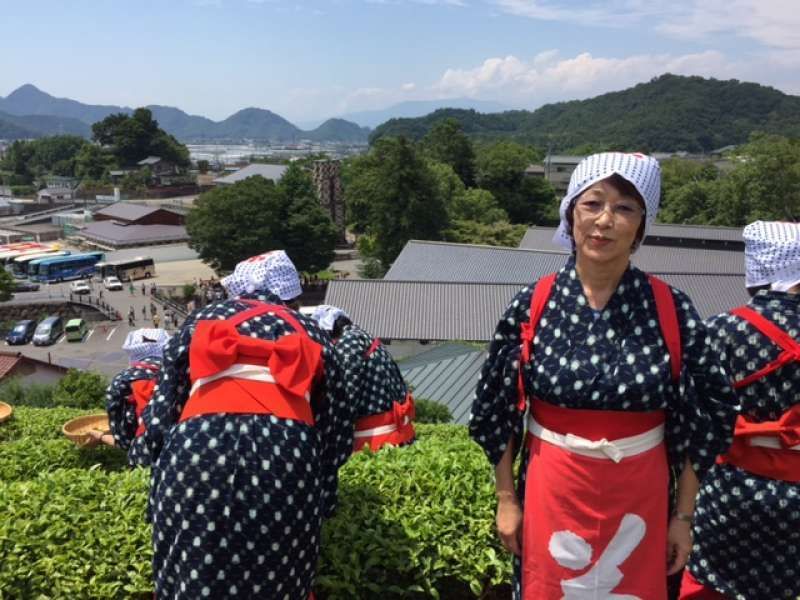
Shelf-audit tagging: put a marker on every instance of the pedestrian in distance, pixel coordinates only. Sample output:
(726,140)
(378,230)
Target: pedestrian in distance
(144,290)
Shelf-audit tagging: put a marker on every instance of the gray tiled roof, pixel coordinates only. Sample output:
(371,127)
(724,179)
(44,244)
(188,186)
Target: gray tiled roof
(127,211)
(274,172)
(442,261)
(657,259)
(112,233)
(449,381)
(469,311)
(540,238)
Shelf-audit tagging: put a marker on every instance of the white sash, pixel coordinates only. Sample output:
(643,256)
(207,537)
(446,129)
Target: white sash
(237,371)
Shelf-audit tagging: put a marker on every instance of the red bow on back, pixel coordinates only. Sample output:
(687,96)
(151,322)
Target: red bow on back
(293,360)
(786,428)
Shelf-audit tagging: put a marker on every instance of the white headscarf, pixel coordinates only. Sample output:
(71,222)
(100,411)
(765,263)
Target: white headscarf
(772,254)
(145,343)
(642,171)
(269,272)
(326,316)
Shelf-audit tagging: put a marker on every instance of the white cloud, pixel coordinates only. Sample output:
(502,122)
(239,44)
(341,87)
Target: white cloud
(408,87)
(548,77)
(771,23)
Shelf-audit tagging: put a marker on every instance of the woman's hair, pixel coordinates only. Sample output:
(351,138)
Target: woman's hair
(624,188)
(339,325)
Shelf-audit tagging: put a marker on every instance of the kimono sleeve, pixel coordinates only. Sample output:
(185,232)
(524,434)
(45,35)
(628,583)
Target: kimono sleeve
(121,413)
(334,417)
(703,423)
(495,416)
(170,393)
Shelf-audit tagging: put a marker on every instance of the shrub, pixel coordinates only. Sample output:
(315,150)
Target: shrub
(16,393)
(188,290)
(81,389)
(430,411)
(76,534)
(415,522)
(37,423)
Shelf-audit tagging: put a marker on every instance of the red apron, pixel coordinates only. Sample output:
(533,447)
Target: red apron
(593,527)
(238,374)
(141,393)
(394,427)
(595,519)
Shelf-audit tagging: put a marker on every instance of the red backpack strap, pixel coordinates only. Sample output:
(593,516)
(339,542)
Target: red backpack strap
(258,308)
(376,343)
(668,322)
(539,297)
(791,349)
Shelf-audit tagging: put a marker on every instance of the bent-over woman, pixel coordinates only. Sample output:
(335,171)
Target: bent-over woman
(383,405)
(248,427)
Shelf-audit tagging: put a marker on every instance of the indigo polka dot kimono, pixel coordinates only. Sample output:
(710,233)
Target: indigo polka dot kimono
(614,359)
(747,527)
(372,382)
(122,417)
(237,500)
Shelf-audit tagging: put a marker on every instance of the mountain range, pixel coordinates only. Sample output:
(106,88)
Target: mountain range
(28,112)
(668,113)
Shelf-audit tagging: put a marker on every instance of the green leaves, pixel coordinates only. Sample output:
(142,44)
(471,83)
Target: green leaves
(415,522)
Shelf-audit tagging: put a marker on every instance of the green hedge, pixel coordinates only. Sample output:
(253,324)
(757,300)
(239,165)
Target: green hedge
(414,522)
(77,389)
(430,411)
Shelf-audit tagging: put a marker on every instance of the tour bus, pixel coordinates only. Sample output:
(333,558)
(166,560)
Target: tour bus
(139,267)
(7,256)
(74,266)
(21,264)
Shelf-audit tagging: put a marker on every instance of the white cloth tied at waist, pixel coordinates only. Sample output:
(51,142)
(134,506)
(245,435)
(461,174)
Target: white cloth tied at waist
(768,441)
(382,430)
(237,371)
(614,450)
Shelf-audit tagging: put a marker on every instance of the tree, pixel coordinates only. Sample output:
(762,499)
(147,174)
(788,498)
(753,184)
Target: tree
(501,233)
(135,137)
(93,162)
(477,205)
(501,170)
(6,285)
(446,143)
(393,195)
(81,389)
(203,166)
(231,223)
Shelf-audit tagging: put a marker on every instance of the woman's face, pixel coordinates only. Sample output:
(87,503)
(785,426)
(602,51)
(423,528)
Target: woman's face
(605,223)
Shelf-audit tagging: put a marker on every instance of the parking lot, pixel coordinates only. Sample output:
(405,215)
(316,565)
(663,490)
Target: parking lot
(101,348)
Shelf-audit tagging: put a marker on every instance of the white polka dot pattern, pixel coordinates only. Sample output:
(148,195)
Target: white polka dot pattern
(771,252)
(272,272)
(642,171)
(746,533)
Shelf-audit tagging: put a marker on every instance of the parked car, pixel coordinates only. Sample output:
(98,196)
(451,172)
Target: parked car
(25,286)
(80,287)
(21,333)
(112,283)
(76,330)
(48,331)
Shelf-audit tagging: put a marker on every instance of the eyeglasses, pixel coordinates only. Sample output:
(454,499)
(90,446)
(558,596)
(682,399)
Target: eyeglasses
(621,211)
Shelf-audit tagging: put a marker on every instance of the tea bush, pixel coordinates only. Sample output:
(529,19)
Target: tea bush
(415,522)
(430,411)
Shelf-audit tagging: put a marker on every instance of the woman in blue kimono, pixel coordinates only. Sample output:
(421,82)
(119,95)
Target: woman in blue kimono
(384,408)
(129,393)
(609,372)
(248,427)
(747,522)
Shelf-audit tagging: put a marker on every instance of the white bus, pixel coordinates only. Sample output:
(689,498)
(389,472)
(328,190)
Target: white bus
(140,267)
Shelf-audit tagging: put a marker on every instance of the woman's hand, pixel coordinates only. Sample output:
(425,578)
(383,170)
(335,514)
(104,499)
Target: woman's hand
(509,522)
(98,437)
(679,544)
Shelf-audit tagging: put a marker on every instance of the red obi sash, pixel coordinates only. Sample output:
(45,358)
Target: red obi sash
(769,448)
(393,427)
(239,374)
(141,393)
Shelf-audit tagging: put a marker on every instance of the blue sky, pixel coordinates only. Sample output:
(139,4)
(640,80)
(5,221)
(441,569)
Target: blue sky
(311,59)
